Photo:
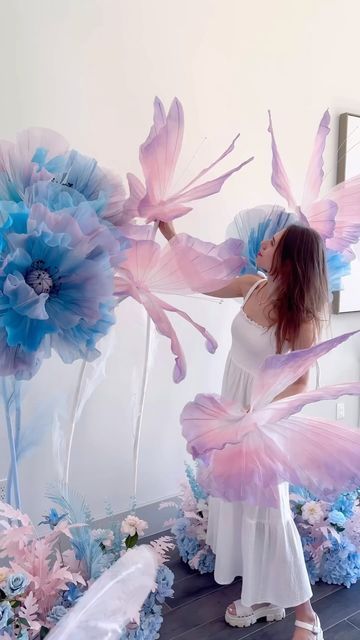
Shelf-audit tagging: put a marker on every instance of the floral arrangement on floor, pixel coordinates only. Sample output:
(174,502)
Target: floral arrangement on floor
(330,532)
(190,525)
(330,535)
(44,575)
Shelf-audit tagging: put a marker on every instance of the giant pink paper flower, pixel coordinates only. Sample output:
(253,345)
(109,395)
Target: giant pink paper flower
(335,217)
(183,266)
(159,154)
(246,454)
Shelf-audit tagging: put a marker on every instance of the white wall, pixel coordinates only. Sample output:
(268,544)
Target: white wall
(90,69)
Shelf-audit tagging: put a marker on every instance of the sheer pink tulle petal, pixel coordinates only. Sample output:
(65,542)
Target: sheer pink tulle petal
(154,308)
(160,152)
(245,455)
(211,422)
(159,156)
(321,216)
(207,188)
(204,266)
(210,341)
(316,454)
(248,471)
(184,265)
(293,404)
(279,178)
(347,229)
(137,192)
(323,455)
(114,210)
(203,172)
(315,173)
(336,216)
(279,371)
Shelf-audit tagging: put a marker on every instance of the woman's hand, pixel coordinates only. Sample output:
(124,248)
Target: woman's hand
(167,229)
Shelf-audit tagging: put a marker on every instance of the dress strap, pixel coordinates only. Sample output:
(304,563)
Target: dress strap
(256,284)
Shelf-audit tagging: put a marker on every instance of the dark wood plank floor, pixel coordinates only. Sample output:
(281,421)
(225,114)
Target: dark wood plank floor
(197,610)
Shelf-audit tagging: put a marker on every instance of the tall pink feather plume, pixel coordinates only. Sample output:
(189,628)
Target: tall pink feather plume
(183,266)
(245,455)
(158,157)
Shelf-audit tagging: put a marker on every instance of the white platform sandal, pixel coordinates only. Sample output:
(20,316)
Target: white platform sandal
(246,616)
(314,628)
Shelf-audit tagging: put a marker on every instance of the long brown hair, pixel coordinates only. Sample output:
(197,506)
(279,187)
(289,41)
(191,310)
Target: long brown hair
(301,294)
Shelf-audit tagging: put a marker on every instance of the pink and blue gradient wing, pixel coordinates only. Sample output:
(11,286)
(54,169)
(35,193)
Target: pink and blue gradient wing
(280,371)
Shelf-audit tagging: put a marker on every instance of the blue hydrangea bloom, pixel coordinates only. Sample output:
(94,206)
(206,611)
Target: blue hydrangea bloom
(164,581)
(337,518)
(207,561)
(341,564)
(150,614)
(56,613)
(346,504)
(72,594)
(6,613)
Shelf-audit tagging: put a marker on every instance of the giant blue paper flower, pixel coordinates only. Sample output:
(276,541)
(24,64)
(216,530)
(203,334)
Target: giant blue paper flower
(37,155)
(41,156)
(100,187)
(56,286)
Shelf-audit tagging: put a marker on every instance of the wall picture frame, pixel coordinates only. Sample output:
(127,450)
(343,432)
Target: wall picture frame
(348,165)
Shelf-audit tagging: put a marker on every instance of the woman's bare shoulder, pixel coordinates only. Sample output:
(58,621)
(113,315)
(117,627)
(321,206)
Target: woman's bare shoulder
(248,281)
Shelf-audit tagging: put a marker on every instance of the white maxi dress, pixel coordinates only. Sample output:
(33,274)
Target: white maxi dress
(261,544)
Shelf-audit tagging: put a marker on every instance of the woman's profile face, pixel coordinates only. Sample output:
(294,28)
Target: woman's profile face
(267,248)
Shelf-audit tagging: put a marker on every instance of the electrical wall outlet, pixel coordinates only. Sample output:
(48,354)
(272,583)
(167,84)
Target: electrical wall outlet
(2,490)
(340,410)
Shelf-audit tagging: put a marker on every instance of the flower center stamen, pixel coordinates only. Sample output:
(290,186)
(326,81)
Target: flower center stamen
(38,278)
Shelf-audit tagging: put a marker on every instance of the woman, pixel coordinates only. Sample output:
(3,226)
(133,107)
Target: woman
(280,313)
